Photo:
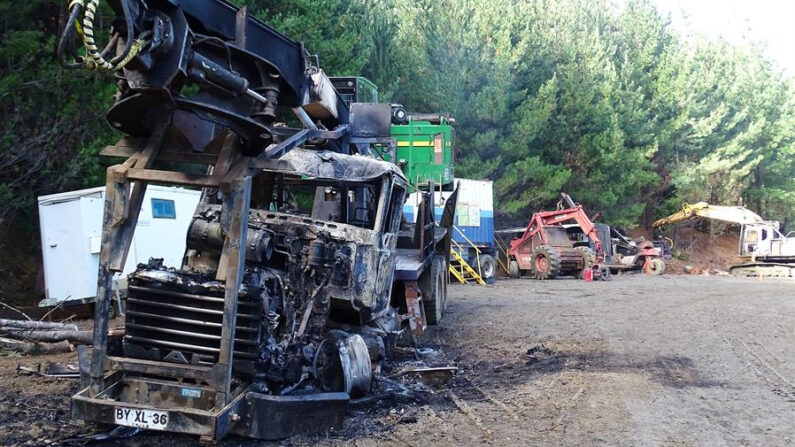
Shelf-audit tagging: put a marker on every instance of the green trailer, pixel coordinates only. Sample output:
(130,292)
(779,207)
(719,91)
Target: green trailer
(424,141)
(425,150)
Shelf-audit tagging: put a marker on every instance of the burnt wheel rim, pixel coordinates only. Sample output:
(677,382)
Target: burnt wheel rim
(488,270)
(541,263)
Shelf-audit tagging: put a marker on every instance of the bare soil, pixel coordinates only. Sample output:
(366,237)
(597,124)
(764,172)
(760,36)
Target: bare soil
(704,250)
(639,360)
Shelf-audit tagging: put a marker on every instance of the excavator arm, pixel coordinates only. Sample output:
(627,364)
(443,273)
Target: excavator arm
(731,214)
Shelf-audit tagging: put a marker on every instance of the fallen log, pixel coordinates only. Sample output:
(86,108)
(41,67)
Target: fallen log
(37,325)
(32,347)
(47,335)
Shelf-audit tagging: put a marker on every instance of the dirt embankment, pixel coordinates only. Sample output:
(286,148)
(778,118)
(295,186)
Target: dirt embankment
(703,247)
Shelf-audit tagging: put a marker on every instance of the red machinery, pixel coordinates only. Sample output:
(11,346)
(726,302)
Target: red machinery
(545,249)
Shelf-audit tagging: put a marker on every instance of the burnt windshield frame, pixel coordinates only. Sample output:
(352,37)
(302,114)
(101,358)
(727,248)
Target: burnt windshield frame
(342,189)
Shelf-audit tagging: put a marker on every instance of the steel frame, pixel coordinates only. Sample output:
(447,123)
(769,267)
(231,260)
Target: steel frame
(232,175)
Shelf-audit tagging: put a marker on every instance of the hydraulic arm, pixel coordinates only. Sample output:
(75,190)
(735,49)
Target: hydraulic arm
(761,242)
(574,213)
(242,70)
(732,214)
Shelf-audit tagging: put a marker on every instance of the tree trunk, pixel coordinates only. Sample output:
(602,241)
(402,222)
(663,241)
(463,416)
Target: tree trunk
(758,184)
(28,347)
(47,335)
(37,325)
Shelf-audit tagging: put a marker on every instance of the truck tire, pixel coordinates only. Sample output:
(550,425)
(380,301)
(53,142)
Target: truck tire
(546,262)
(655,266)
(434,291)
(488,267)
(513,269)
(588,257)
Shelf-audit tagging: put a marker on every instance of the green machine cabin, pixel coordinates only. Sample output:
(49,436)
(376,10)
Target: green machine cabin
(424,141)
(425,149)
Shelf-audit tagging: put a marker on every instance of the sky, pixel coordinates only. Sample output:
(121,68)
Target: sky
(769,21)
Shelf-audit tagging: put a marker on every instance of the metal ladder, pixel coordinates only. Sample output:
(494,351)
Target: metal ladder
(502,254)
(459,268)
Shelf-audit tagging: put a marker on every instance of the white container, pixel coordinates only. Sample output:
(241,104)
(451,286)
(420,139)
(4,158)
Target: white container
(474,214)
(71,231)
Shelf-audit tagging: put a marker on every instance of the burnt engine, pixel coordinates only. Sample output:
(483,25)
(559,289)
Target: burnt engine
(283,343)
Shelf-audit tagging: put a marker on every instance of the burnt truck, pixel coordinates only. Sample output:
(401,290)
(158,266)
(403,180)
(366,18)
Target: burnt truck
(333,278)
(300,274)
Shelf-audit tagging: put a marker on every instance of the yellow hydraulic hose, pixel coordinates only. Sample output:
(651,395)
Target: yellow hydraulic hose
(95,60)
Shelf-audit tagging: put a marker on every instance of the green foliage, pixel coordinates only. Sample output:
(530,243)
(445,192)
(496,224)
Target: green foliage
(51,129)
(331,29)
(610,105)
(607,103)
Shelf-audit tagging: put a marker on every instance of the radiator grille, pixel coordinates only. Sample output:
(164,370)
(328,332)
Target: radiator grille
(161,321)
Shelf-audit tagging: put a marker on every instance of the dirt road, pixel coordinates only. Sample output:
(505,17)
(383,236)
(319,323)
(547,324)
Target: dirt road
(671,361)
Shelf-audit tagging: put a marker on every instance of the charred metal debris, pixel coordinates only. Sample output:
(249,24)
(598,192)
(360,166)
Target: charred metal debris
(301,276)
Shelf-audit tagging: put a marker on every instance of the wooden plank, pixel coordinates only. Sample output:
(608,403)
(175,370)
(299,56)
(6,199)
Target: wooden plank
(116,240)
(236,171)
(227,156)
(167,155)
(116,176)
(172,177)
(144,160)
(110,235)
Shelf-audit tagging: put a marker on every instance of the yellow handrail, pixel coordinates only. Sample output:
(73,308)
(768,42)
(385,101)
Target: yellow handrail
(466,238)
(501,246)
(477,250)
(460,249)
(466,269)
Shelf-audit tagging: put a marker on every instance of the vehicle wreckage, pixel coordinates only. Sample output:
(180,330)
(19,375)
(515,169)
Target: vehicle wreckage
(300,273)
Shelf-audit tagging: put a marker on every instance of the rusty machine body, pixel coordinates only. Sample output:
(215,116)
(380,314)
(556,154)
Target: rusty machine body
(299,271)
(567,242)
(545,250)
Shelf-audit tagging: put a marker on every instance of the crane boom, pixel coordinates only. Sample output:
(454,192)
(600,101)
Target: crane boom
(732,214)
(211,61)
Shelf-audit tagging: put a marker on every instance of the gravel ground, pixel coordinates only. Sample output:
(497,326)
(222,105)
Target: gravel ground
(639,360)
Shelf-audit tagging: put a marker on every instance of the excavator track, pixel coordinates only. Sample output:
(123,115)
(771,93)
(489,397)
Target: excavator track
(770,269)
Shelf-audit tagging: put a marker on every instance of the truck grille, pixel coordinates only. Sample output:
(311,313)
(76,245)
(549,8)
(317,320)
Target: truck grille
(168,324)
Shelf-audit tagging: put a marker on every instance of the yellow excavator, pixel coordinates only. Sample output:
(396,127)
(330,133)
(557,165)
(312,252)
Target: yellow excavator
(764,250)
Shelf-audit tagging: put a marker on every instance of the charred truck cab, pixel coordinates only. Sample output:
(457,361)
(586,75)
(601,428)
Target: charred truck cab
(327,226)
(331,277)
(299,273)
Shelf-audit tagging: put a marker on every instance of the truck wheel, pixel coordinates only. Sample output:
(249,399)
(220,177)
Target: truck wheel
(513,269)
(488,266)
(433,291)
(588,257)
(655,266)
(546,262)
